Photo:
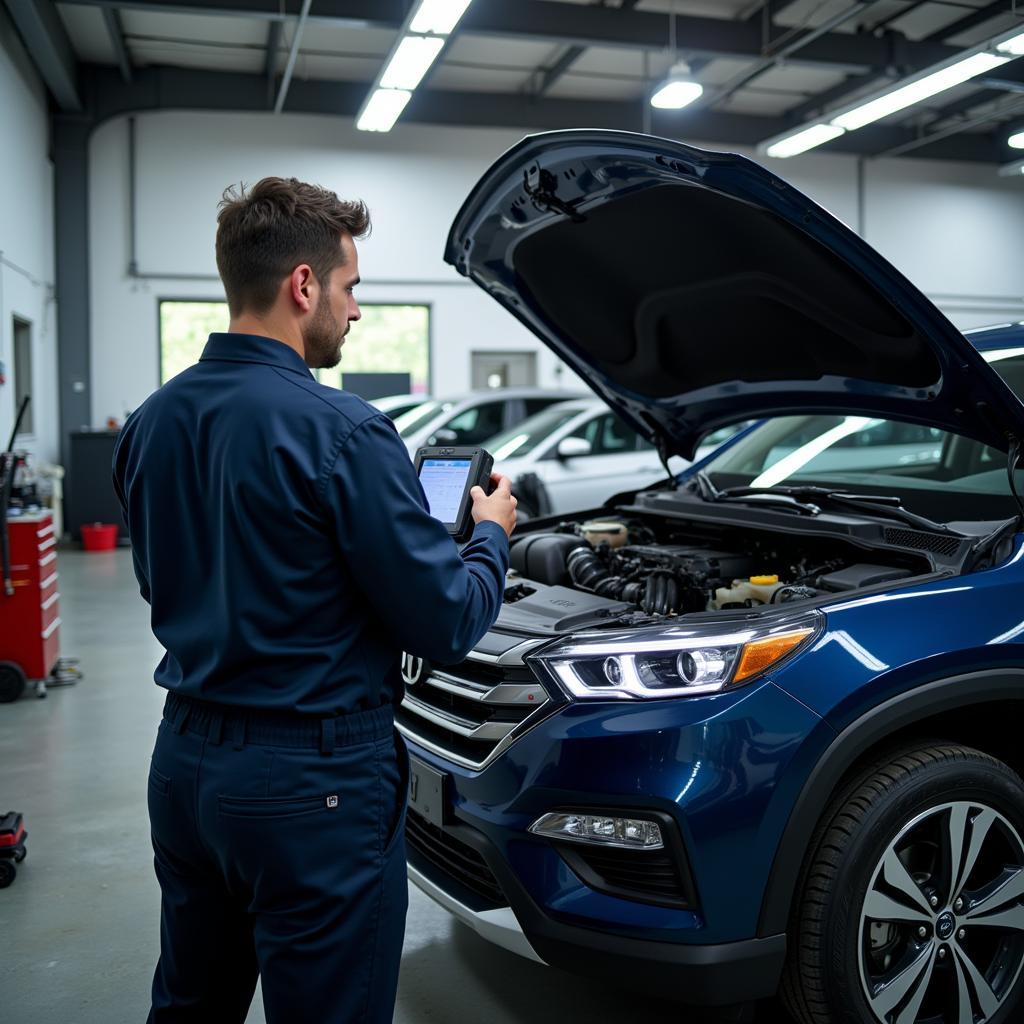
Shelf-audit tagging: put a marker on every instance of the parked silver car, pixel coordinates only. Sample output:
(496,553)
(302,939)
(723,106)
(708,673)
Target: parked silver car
(394,406)
(474,417)
(577,454)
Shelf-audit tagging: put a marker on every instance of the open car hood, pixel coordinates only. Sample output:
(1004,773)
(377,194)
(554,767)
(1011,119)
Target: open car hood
(693,289)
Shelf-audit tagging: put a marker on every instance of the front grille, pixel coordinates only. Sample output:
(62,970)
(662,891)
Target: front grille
(939,543)
(650,876)
(455,859)
(470,712)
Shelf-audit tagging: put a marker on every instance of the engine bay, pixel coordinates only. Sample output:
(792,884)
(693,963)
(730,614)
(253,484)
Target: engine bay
(629,569)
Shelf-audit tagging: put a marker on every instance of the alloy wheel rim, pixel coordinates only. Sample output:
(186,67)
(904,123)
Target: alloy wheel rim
(941,931)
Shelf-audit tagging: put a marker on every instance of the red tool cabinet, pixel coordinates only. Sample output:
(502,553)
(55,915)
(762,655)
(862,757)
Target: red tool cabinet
(30,619)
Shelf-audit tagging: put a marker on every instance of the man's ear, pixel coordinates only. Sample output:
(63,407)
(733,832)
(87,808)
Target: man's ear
(303,287)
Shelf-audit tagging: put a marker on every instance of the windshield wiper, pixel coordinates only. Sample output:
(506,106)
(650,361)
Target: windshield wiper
(709,492)
(887,505)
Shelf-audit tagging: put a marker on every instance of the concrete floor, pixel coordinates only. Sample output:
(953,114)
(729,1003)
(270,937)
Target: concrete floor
(79,925)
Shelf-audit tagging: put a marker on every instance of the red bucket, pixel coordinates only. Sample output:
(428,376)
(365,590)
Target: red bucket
(99,537)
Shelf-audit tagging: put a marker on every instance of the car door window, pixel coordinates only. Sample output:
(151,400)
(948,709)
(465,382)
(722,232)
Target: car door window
(476,425)
(534,405)
(616,437)
(607,435)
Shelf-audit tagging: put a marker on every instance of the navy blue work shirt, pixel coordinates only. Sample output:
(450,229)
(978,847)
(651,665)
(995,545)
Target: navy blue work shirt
(282,539)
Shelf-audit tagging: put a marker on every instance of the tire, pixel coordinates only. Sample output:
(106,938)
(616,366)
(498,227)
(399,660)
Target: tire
(8,872)
(12,682)
(890,926)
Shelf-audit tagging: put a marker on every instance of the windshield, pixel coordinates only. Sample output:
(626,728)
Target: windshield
(934,472)
(524,437)
(409,422)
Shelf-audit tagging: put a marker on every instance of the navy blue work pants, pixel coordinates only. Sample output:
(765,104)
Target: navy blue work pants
(279,847)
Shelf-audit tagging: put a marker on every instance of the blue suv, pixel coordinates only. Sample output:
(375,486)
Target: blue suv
(755,730)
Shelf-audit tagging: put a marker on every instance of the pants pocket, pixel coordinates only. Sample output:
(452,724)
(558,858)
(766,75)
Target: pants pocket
(401,794)
(159,784)
(274,806)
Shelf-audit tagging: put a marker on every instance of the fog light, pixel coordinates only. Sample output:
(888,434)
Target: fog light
(600,830)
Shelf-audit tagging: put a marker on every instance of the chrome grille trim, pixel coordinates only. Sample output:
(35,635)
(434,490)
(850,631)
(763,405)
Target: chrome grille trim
(509,694)
(512,657)
(492,715)
(464,727)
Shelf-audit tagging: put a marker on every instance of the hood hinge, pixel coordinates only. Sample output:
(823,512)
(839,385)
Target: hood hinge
(541,186)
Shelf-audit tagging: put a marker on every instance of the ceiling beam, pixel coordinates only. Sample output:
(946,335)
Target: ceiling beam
(47,43)
(769,9)
(293,53)
(581,25)
(274,30)
(160,88)
(112,19)
(554,72)
(902,62)
(972,20)
(788,49)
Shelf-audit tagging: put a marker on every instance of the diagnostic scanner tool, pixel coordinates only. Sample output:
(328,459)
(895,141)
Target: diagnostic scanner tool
(447,476)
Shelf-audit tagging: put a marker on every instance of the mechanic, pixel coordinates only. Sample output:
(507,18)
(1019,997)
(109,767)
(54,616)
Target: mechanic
(282,540)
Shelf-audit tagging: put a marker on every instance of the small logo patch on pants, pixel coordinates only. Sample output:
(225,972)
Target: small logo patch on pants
(332,801)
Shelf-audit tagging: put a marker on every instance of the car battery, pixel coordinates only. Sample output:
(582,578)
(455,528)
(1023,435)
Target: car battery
(30,617)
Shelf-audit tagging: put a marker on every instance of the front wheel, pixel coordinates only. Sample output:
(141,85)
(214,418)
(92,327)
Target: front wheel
(911,908)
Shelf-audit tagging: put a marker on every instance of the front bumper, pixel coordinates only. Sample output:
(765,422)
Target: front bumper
(723,771)
(718,974)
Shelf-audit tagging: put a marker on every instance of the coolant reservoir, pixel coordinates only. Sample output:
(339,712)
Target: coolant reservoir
(757,589)
(607,531)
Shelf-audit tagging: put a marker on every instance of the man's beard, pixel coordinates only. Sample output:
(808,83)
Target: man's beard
(323,338)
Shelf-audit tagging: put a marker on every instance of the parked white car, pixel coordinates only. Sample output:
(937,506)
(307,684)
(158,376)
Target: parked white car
(394,406)
(577,455)
(475,417)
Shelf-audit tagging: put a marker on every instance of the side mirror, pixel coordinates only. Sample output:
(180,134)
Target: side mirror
(573,447)
(444,436)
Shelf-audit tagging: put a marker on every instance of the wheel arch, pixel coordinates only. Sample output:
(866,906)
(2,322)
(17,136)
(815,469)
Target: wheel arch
(963,708)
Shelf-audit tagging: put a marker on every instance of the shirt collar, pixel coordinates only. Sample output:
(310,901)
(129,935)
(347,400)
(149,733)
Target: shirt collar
(253,348)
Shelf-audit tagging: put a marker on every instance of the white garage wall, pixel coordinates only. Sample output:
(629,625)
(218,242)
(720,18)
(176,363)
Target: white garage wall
(26,242)
(953,229)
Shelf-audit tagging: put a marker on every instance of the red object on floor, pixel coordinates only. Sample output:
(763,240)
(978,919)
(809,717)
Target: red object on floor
(30,619)
(13,837)
(99,537)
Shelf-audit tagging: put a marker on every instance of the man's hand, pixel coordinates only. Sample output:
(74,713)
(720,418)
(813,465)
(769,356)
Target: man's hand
(497,507)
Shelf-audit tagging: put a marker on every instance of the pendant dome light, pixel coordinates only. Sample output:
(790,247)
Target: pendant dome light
(678,89)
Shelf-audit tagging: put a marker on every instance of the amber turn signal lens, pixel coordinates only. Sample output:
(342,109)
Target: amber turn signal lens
(760,655)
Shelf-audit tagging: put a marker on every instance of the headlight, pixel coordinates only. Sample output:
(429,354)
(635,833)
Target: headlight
(673,660)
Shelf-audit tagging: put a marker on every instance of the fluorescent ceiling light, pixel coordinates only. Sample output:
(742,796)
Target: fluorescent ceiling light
(915,92)
(678,90)
(1012,170)
(438,16)
(1014,46)
(1016,141)
(410,61)
(805,140)
(382,110)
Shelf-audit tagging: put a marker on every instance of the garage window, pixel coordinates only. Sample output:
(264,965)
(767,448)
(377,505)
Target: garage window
(388,340)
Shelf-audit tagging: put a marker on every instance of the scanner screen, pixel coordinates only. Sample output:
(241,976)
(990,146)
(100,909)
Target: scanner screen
(444,481)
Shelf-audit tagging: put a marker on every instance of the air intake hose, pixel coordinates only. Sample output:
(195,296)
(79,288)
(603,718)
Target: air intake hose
(589,572)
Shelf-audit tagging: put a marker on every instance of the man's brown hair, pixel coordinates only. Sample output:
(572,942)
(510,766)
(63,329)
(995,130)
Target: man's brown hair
(265,232)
